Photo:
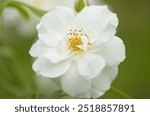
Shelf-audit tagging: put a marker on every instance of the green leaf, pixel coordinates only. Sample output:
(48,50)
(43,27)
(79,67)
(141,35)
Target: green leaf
(3,4)
(22,10)
(34,10)
(80,4)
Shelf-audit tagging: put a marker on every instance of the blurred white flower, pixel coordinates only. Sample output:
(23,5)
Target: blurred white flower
(81,50)
(50,4)
(26,28)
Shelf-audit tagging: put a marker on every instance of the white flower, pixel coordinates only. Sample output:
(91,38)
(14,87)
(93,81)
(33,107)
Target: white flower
(50,4)
(11,17)
(81,50)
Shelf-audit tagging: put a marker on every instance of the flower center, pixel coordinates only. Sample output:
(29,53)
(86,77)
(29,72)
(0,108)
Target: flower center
(78,41)
(74,42)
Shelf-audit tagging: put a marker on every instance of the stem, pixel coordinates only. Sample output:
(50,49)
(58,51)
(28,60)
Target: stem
(80,4)
(120,93)
(36,11)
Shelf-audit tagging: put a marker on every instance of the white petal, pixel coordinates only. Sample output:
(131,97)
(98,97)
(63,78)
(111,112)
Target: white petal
(85,43)
(55,55)
(54,25)
(90,65)
(92,93)
(37,49)
(73,83)
(49,37)
(58,19)
(99,23)
(44,67)
(113,52)
(104,80)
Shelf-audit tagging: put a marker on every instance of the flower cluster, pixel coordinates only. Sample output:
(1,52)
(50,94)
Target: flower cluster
(79,49)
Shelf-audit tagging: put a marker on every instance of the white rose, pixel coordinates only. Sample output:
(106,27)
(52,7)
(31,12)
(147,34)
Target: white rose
(81,50)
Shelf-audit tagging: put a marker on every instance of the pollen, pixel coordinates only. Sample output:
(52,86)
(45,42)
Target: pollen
(73,43)
(75,40)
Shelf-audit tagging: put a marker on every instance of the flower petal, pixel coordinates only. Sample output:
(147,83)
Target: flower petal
(44,67)
(58,19)
(73,83)
(37,49)
(99,23)
(55,55)
(90,65)
(49,37)
(92,93)
(54,25)
(113,52)
(104,80)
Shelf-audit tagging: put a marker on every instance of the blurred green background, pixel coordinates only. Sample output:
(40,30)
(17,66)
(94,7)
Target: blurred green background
(17,79)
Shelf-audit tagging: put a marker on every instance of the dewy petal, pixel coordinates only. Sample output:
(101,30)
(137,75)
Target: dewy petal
(104,80)
(44,67)
(73,83)
(99,23)
(113,52)
(90,65)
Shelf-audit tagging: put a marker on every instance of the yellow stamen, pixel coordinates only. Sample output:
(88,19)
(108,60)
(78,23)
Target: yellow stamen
(74,42)
(76,39)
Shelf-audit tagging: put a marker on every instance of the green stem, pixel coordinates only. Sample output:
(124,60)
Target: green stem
(120,93)
(21,10)
(34,10)
(80,4)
